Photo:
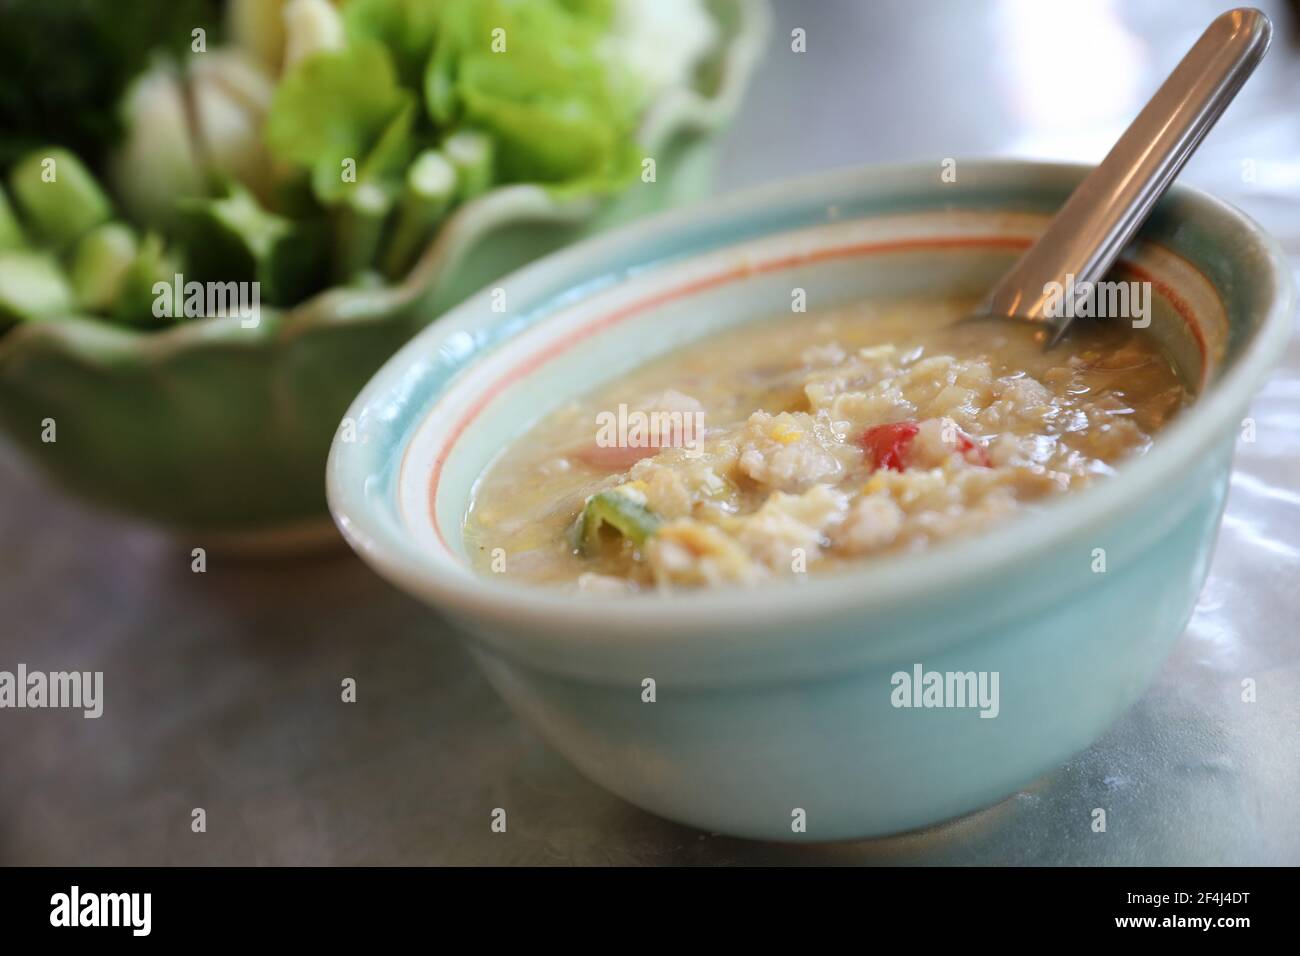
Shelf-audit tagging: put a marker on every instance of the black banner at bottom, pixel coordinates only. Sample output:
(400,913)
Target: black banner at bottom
(336,905)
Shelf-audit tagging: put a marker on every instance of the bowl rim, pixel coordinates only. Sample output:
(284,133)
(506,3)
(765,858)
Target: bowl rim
(677,110)
(544,617)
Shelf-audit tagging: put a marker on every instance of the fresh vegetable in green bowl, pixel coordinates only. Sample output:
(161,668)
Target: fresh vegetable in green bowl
(185,318)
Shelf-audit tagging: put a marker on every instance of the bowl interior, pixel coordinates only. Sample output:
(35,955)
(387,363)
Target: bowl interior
(936,254)
(439,412)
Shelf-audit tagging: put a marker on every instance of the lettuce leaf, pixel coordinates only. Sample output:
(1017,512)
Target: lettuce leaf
(406,28)
(560,113)
(557,110)
(339,105)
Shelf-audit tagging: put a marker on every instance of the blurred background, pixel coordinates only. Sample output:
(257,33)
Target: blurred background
(222,689)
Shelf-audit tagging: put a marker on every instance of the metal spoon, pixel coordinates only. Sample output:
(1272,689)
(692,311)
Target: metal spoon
(1084,238)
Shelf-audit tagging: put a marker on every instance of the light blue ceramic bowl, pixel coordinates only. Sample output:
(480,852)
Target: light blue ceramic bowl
(776,706)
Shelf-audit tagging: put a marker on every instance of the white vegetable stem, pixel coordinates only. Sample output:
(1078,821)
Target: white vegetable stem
(470,152)
(359,227)
(310,26)
(230,97)
(158,162)
(661,41)
(257,26)
(429,189)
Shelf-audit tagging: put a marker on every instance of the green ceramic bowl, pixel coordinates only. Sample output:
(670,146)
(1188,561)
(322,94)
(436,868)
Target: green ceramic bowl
(210,428)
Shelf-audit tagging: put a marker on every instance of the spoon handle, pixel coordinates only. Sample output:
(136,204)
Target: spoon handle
(1106,209)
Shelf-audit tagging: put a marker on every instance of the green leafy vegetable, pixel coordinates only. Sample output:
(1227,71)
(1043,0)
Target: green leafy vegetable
(532,75)
(327,146)
(334,107)
(407,28)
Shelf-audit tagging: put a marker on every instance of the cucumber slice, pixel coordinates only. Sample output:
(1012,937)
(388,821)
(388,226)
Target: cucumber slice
(32,287)
(100,263)
(58,197)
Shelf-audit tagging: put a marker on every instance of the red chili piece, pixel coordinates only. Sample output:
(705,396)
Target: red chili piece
(890,446)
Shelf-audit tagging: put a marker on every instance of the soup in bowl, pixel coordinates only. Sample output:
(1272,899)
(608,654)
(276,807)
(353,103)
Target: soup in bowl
(802,443)
(728,508)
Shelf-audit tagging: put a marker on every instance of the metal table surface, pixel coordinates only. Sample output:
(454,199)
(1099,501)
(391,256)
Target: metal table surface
(222,689)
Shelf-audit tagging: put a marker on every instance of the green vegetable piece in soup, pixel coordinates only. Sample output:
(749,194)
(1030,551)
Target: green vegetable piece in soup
(624,514)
